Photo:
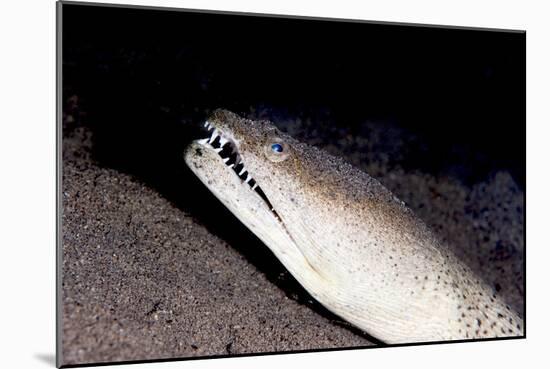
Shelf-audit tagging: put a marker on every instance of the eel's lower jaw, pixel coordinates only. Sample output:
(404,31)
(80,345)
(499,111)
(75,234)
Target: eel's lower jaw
(228,151)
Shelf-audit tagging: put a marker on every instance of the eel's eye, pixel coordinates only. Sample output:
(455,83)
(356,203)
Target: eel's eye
(277,147)
(276,150)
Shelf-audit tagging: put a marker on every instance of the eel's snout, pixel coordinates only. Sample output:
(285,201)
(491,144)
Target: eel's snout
(196,156)
(192,150)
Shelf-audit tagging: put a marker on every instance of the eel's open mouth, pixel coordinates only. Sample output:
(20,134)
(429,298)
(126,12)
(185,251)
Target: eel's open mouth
(228,151)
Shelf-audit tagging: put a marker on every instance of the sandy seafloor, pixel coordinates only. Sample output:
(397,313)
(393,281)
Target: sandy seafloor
(144,278)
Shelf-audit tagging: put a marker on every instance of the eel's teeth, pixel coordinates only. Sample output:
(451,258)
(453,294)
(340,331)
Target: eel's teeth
(218,150)
(223,141)
(203,141)
(248,178)
(214,135)
(231,165)
(226,159)
(254,187)
(206,124)
(242,171)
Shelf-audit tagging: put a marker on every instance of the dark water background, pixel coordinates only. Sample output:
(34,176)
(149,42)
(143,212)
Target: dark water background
(145,78)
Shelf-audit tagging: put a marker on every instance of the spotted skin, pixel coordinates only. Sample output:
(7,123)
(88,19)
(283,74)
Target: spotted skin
(349,241)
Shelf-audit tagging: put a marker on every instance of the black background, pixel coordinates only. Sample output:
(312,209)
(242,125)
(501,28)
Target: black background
(144,75)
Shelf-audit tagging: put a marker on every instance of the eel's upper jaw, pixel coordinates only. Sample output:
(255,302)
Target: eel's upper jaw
(224,145)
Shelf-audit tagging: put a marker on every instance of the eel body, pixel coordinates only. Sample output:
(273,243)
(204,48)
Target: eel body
(348,240)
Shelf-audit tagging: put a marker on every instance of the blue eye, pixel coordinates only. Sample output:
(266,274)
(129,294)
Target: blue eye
(277,147)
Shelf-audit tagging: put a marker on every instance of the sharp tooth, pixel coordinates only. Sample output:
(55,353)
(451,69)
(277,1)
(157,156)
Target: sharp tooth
(254,187)
(206,124)
(218,150)
(203,141)
(231,165)
(213,137)
(225,160)
(223,141)
(248,178)
(242,171)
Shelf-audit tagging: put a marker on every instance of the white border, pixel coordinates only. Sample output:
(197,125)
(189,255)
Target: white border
(27,185)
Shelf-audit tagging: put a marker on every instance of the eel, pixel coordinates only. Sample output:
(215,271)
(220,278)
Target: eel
(353,245)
